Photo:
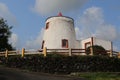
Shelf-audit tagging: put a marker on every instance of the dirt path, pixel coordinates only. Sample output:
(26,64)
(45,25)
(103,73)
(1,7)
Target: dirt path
(13,74)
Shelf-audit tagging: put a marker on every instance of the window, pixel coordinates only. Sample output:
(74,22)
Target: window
(42,44)
(87,44)
(47,25)
(64,43)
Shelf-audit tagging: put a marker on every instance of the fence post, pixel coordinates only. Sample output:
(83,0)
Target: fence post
(91,50)
(45,51)
(110,53)
(70,52)
(118,55)
(6,53)
(23,52)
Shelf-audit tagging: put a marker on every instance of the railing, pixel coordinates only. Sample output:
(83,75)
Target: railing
(2,53)
(22,52)
(66,51)
(71,52)
(46,51)
(115,53)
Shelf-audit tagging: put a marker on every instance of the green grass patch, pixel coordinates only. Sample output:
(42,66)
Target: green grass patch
(99,75)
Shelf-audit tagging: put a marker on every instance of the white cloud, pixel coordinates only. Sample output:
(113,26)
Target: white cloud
(92,17)
(13,40)
(107,31)
(6,14)
(45,7)
(92,23)
(35,44)
(78,32)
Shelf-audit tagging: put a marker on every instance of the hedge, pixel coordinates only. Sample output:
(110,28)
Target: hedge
(63,64)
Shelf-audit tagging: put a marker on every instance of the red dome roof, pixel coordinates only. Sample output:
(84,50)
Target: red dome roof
(60,14)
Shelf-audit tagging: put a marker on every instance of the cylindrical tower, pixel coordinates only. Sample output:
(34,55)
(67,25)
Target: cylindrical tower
(59,33)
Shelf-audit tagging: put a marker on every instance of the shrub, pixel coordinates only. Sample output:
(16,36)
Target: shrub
(60,64)
(97,50)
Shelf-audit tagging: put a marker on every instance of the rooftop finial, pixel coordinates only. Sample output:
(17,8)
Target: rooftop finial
(60,14)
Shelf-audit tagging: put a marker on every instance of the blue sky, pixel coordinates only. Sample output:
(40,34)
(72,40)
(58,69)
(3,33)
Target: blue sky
(99,18)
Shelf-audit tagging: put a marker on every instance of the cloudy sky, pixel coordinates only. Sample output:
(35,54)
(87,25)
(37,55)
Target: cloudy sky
(97,18)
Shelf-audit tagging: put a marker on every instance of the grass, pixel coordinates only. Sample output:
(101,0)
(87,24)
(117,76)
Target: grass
(99,75)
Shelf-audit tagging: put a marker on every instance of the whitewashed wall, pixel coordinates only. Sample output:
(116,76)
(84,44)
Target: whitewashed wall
(106,44)
(85,41)
(59,28)
(78,44)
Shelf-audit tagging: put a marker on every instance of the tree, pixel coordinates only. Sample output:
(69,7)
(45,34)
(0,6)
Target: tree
(5,33)
(97,50)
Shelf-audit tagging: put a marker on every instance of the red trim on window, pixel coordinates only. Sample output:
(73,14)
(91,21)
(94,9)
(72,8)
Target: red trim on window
(64,43)
(87,43)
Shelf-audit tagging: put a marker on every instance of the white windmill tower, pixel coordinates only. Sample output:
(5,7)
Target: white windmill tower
(59,33)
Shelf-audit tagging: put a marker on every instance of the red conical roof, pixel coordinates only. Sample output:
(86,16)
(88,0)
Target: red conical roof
(60,14)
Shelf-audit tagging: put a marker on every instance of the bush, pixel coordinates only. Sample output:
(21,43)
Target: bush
(97,50)
(63,64)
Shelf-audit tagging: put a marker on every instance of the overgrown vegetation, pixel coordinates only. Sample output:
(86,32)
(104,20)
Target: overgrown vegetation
(5,34)
(61,64)
(97,50)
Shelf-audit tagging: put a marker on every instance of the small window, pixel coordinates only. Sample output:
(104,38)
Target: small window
(88,44)
(64,43)
(42,44)
(47,25)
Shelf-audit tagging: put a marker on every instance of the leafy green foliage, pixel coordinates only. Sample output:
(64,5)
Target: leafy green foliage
(97,50)
(63,64)
(5,33)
